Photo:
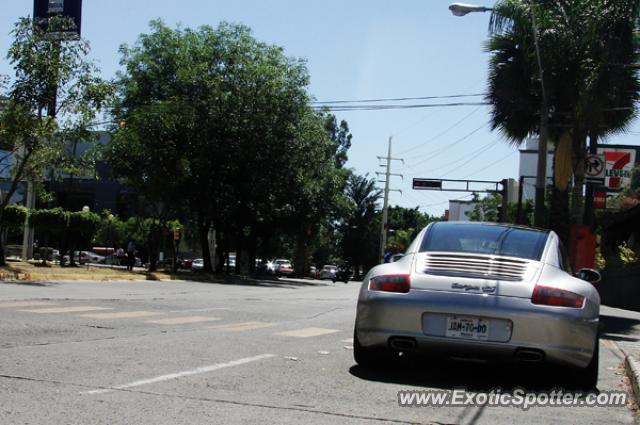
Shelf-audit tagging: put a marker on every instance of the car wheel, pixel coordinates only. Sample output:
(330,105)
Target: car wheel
(369,357)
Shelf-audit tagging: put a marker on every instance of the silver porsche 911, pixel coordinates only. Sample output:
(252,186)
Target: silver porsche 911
(481,291)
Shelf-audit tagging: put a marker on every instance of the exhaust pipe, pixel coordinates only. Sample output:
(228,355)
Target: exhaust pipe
(529,355)
(403,343)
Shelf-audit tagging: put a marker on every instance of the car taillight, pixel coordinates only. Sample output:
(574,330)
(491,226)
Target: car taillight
(390,283)
(545,295)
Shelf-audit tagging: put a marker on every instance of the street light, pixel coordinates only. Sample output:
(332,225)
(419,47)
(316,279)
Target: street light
(461,9)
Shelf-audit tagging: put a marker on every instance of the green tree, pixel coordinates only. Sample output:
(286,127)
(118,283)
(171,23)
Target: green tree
(340,138)
(587,52)
(52,98)
(49,223)
(360,228)
(228,118)
(80,230)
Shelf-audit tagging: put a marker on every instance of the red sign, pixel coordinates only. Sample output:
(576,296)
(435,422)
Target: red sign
(600,200)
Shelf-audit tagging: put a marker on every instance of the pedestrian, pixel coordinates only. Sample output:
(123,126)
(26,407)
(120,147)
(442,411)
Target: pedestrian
(131,255)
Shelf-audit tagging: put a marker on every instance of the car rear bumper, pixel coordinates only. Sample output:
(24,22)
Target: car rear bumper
(560,335)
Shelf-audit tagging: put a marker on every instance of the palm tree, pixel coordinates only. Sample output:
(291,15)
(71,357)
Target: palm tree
(587,52)
(359,242)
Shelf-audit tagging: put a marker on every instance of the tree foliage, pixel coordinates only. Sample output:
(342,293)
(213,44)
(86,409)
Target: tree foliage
(587,52)
(52,98)
(219,131)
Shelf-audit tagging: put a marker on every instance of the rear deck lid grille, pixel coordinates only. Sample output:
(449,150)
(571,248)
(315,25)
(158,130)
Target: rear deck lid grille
(476,266)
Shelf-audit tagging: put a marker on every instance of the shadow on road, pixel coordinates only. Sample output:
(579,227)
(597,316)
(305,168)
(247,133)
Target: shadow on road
(619,328)
(448,374)
(259,281)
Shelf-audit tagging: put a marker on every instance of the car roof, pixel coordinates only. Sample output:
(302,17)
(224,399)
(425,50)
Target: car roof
(486,223)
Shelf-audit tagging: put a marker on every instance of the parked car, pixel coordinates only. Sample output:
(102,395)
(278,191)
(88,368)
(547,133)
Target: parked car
(91,257)
(197,264)
(185,263)
(230,264)
(482,291)
(328,272)
(282,267)
(313,272)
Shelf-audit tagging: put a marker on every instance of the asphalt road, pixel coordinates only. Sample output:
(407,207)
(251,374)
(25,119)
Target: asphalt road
(197,353)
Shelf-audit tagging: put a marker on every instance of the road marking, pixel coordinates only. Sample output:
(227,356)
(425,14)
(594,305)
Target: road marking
(121,315)
(78,309)
(23,304)
(183,320)
(200,370)
(348,340)
(308,332)
(196,310)
(237,327)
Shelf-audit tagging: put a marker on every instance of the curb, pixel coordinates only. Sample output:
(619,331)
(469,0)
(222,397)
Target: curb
(632,368)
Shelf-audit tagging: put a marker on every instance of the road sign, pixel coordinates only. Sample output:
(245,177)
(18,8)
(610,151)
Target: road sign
(44,9)
(426,184)
(594,168)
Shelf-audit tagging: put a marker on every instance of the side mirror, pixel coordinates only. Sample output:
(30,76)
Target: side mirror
(590,275)
(396,257)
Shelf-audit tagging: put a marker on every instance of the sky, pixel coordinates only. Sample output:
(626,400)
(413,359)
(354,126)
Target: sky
(355,49)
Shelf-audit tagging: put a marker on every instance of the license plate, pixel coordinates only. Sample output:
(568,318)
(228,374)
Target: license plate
(467,327)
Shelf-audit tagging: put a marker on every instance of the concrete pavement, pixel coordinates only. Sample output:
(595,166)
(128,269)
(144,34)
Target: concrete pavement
(274,352)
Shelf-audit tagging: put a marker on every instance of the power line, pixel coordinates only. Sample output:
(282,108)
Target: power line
(442,133)
(433,154)
(347,108)
(398,99)
(490,165)
(472,156)
(444,202)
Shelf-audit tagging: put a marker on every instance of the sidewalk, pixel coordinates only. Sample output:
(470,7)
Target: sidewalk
(622,328)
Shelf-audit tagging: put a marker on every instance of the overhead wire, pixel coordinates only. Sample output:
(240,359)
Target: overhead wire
(438,152)
(348,108)
(457,123)
(490,165)
(398,99)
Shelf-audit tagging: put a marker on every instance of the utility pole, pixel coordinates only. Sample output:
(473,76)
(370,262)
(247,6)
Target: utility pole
(540,218)
(385,207)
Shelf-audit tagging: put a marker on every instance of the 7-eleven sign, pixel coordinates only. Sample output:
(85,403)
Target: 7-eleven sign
(619,165)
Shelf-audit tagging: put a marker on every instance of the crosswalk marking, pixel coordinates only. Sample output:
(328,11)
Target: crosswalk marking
(237,327)
(18,304)
(183,320)
(121,315)
(308,332)
(78,309)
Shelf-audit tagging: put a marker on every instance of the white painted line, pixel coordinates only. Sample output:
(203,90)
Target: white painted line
(182,320)
(308,332)
(120,315)
(78,309)
(18,304)
(198,371)
(237,327)
(196,310)
(348,340)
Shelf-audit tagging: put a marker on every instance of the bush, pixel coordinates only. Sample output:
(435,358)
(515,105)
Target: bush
(627,255)
(14,217)
(53,220)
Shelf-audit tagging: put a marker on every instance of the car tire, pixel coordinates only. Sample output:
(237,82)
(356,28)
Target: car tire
(587,378)
(590,373)
(369,357)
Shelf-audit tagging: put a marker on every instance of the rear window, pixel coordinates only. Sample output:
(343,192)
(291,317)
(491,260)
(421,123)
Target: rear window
(474,238)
